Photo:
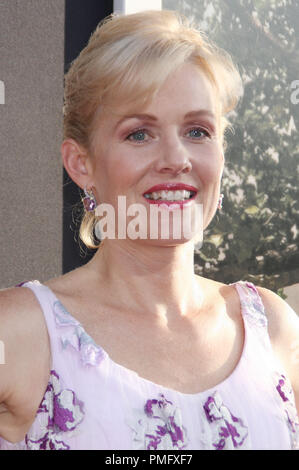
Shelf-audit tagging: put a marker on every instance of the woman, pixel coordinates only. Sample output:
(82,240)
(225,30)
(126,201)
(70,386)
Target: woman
(133,350)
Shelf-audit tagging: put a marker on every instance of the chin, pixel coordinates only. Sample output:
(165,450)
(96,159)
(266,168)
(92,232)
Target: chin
(169,242)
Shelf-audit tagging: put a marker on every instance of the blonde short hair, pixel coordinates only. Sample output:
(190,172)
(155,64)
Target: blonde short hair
(127,59)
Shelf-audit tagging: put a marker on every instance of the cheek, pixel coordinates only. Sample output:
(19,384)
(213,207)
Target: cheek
(209,168)
(117,171)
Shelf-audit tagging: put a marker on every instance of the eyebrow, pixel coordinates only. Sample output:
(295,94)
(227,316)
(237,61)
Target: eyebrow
(151,117)
(200,113)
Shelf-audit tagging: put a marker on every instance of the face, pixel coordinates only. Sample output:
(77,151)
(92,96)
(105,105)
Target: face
(175,140)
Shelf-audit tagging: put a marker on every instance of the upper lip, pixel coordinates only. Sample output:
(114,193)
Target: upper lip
(170,187)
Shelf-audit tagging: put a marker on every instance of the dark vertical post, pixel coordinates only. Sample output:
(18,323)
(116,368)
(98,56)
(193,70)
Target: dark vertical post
(81,19)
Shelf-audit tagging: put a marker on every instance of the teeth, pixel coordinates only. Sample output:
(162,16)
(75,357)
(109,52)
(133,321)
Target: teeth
(169,195)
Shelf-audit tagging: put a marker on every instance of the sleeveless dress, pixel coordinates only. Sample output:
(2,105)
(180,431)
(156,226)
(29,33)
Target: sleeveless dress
(91,402)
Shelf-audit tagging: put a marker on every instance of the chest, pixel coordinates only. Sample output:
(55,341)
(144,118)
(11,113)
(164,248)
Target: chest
(190,357)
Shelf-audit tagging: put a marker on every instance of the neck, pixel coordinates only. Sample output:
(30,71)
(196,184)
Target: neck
(154,280)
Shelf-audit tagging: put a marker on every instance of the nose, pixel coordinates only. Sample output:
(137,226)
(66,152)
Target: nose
(173,157)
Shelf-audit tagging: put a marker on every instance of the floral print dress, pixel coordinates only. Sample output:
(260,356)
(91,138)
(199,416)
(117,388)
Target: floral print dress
(91,402)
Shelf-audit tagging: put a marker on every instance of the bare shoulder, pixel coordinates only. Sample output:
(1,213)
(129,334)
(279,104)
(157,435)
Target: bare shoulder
(282,319)
(21,317)
(23,373)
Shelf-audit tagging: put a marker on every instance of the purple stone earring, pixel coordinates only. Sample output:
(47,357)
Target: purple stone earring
(89,201)
(221,196)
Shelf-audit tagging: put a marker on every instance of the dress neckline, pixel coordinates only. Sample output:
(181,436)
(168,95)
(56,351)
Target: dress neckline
(159,387)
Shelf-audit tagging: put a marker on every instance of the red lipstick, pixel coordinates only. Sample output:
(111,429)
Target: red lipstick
(171,187)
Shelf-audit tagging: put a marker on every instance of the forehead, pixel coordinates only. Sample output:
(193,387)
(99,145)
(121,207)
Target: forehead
(187,87)
(186,90)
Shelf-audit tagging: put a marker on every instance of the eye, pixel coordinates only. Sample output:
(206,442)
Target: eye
(138,136)
(198,133)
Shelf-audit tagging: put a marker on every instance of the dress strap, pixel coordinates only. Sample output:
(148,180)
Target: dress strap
(252,305)
(65,332)
(264,359)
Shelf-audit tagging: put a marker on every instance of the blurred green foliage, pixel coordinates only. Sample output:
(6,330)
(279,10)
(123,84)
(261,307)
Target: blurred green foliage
(255,236)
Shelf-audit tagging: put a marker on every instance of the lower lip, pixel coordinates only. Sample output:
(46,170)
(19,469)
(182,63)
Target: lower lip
(172,204)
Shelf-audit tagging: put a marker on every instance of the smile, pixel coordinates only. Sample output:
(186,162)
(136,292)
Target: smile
(170,193)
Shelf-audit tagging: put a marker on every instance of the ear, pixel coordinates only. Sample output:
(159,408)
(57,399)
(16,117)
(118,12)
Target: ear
(77,163)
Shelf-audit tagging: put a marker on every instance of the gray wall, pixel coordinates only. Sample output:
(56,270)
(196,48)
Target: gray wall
(31,68)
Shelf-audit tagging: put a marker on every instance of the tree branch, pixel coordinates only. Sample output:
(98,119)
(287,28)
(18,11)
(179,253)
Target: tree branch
(291,55)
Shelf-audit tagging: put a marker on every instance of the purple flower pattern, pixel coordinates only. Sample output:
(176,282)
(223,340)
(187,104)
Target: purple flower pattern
(285,392)
(229,432)
(159,426)
(58,416)
(254,307)
(76,337)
